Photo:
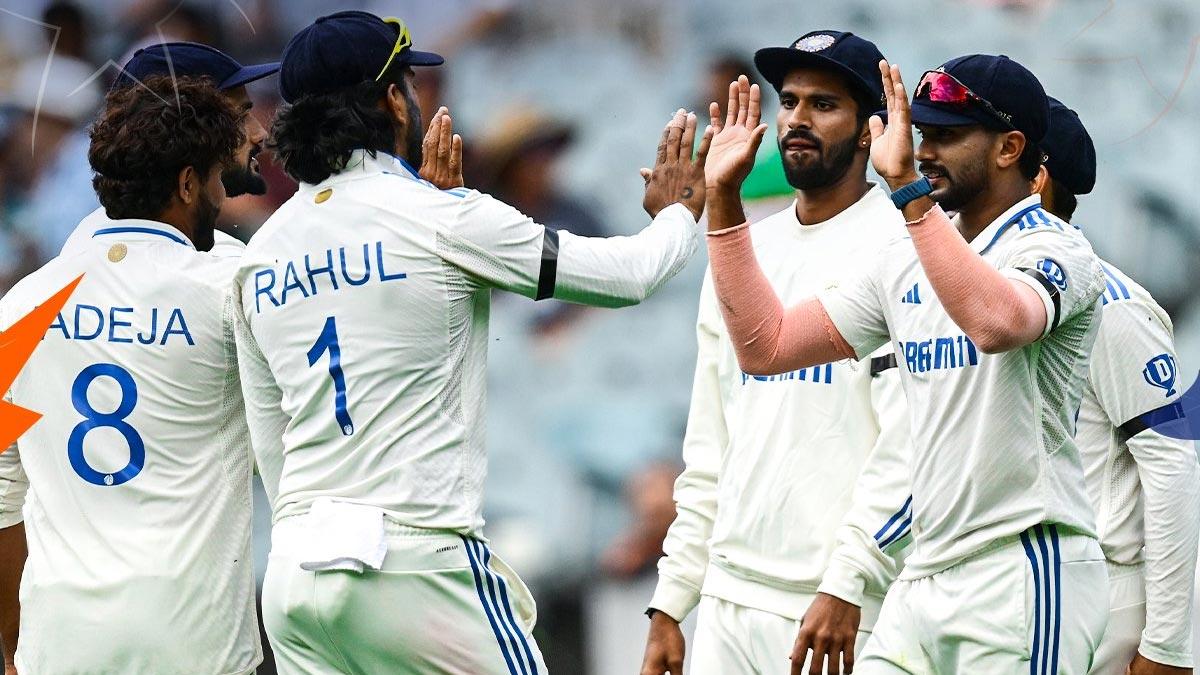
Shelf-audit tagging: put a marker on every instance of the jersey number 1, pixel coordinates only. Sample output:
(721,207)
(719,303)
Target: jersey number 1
(328,341)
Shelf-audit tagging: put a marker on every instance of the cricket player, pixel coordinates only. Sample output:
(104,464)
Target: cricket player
(1144,486)
(771,461)
(362,339)
(1005,574)
(190,59)
(133,490)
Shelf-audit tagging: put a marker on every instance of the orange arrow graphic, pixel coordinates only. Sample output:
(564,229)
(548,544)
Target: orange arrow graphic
(16,346)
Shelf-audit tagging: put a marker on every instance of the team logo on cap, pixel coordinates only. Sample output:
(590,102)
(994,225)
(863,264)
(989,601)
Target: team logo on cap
(814,43)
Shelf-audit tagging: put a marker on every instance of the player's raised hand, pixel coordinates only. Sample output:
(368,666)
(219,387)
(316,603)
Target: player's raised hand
(664,647)
(892,144)
(678,174)
(441,152)
(829,629)
(736,140)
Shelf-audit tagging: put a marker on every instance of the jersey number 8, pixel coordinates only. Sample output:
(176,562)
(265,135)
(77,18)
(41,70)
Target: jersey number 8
(114,420)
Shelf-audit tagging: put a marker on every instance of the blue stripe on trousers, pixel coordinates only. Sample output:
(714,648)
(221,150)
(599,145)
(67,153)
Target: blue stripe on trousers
(1037,603)
(487,559)
(482,554)
(486,608)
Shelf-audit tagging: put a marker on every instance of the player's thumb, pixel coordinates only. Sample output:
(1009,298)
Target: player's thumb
(876,125)
(645,174)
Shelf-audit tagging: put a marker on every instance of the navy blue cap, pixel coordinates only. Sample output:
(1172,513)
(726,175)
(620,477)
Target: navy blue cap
(1010,87)
(855,58)
(341,50)
(1071,156)
(189,59)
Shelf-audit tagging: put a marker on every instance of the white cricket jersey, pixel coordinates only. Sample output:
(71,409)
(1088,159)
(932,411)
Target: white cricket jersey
(138,501)
(223,244)
(771,461)
(992,448)
(1145,486)
(363,315)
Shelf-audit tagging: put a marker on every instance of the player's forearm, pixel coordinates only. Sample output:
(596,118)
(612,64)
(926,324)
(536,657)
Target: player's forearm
(622,271)
(13,552)
(996,313)
(1170,481)
(767,338)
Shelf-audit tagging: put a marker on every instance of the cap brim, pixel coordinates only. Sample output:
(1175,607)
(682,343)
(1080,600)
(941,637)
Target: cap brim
(936,116)
(248,74)
(413,57)
(774,63)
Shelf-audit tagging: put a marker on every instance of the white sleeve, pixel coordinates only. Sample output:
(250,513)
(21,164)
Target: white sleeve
(14,484)
(1133,372)
(856,310)
(873,538)
(681,571)
(1061,267)
(498,246)
(265,417)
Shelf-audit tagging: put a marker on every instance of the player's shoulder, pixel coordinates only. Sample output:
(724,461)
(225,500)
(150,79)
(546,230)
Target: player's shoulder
(1125,300)
(35,287)
(1035,226)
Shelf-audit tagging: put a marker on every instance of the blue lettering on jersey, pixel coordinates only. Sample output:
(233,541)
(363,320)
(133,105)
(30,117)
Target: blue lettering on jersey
(943,353)
(93,323)
(1160,372)
(822,374)
(265,280)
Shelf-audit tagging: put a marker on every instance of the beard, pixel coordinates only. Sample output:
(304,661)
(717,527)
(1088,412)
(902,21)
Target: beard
(206,221)
(829,167)
(414,134)
(243,179)
(961,187)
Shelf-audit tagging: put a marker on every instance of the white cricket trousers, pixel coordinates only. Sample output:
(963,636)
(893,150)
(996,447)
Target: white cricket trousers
(1126,619)
(1034,604)
(442,604)
(732,639)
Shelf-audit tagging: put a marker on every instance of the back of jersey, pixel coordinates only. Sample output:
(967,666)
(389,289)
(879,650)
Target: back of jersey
(138,506)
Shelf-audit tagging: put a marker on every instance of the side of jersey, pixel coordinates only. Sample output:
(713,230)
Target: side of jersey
(137,510)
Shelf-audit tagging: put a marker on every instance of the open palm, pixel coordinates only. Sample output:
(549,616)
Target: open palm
(737,138)
(892,145)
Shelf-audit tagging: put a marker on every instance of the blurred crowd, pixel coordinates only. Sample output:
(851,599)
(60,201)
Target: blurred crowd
(560,102)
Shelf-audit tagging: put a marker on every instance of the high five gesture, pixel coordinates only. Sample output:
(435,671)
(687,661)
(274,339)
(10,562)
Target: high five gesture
(731,157)
(892,144)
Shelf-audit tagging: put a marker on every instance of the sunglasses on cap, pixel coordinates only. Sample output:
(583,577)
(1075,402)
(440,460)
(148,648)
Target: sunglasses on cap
(941,87)
(403,41)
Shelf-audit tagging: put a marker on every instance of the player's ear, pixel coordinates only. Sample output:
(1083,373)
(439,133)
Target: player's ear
(1012,144)
(188,185)
(1041,183)
(395,104)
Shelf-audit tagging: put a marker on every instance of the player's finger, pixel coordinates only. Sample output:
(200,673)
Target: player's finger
(429,143)
(817,665)
(756,137)
(445,132)
(714,116)
(689,138)
(743,100)
(755,112)
(885,76)
(456,157)
(662,146)
(674,134)
(731,106)
(848,657)
(646,173)
(876,125)
(902,107)
(705,143)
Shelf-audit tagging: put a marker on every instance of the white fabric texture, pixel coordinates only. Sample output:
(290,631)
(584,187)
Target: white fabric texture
(990,469)
(771,462)
(364,305)
(139,471)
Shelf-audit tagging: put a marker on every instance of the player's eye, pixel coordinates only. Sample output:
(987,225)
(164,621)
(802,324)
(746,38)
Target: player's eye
(823,105)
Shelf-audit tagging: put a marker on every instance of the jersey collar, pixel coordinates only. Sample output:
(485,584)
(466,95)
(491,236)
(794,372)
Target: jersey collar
(361,162)
(133,229)
(993,232)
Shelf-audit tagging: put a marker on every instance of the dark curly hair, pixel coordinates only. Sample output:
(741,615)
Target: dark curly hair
(148,134)
(313,137)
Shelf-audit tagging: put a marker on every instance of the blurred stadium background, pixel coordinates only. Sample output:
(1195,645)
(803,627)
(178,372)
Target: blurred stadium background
(560,102)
